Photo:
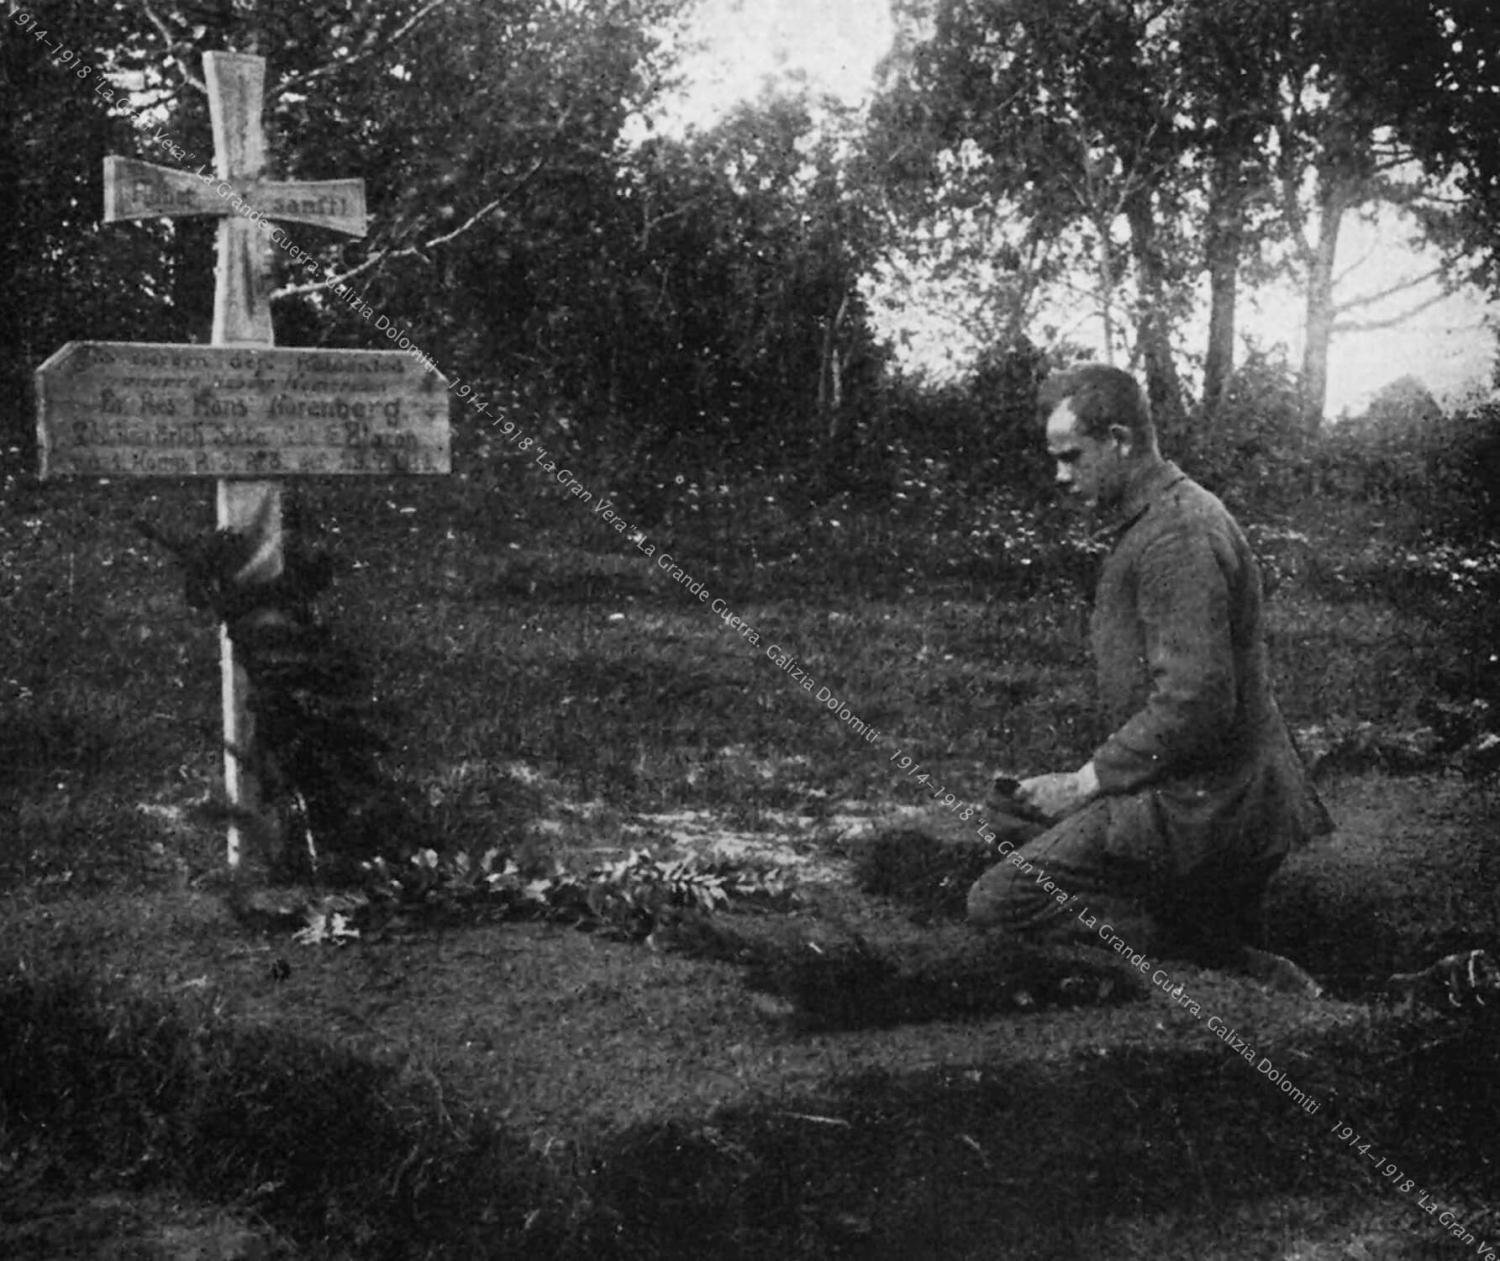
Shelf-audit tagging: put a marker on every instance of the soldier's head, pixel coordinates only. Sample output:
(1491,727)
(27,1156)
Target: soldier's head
(1099,431)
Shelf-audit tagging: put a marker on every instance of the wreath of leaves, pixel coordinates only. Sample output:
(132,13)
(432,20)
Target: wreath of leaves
(318,743)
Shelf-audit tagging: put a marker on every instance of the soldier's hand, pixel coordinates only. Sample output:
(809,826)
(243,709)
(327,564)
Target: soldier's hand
(1060,793)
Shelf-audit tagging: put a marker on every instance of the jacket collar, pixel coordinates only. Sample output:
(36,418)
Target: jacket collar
(1142,492)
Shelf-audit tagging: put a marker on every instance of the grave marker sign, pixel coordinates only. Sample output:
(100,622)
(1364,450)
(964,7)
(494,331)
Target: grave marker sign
(154,409)
(239,410)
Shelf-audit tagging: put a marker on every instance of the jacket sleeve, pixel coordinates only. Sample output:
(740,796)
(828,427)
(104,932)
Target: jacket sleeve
(1183,606)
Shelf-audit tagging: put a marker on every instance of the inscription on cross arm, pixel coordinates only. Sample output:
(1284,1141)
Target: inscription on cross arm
(143,190)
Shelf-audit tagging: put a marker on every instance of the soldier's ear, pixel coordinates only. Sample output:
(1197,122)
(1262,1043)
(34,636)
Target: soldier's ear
(1123,439)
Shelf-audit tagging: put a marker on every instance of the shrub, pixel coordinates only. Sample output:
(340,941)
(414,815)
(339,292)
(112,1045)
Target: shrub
(1253,449)
(1443,468)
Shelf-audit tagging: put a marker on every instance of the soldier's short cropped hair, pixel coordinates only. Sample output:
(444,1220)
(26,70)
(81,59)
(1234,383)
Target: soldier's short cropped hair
(1101,397)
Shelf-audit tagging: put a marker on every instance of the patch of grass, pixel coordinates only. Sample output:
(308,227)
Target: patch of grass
(836,1079)
(576,655)
(342,1153)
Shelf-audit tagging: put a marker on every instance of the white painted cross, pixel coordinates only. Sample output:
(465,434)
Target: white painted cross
(239,409)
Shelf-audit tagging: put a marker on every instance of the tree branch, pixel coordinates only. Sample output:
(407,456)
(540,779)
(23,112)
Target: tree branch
(1401,286)
(1375,326)
(650,225)
(382,256)
(1291,206)
(373,44)
(406,251)
(161,97)
(1356,264)
(172,43)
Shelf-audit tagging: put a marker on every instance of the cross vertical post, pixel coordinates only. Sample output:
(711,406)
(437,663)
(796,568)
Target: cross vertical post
(242,317)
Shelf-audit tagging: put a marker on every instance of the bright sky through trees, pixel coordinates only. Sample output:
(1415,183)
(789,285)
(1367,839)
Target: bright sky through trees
(835,45)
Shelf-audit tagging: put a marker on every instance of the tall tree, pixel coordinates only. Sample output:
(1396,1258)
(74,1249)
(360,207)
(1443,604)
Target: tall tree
(975,266)
(1217,136)
(1431,68)
(1230,56)
(1330,160)
(1077,108)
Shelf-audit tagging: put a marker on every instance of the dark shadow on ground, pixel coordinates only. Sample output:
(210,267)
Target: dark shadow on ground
(834,978)
(1188,1153)
(1395,888)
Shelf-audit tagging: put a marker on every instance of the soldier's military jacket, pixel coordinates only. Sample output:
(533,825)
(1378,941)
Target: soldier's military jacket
(1199,767)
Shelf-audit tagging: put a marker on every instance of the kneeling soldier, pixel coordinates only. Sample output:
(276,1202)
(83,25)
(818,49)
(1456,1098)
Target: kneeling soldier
(1175,825)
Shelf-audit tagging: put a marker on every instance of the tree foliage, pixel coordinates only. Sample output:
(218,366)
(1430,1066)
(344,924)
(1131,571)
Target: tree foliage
(1074,108)
(1175,142)
(58,128)
(749,325)
(528,233)
(684,303)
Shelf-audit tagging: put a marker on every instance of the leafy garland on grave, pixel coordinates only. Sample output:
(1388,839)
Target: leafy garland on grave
(635,898)
(325,795)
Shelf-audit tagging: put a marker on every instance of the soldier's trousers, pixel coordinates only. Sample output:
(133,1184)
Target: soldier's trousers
(1062,884)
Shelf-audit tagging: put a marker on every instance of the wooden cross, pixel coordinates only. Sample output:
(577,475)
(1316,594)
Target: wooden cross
(138,409)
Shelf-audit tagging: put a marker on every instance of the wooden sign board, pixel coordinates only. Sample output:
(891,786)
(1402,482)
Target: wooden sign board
(157,409)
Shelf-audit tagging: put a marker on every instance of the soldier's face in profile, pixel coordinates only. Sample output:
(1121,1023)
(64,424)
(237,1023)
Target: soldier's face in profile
(1089,470)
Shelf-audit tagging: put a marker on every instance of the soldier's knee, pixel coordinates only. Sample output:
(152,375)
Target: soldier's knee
(989,897)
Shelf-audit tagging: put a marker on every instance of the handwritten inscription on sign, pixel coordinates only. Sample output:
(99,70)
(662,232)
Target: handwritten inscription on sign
(144,409)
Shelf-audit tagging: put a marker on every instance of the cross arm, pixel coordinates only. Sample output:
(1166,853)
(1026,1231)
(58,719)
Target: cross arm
(142,190)
(338,205)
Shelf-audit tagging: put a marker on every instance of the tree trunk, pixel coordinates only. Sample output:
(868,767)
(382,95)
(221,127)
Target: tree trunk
(1224,245)
(1106,278)
(831,374)
(1218,362)
(1153,327)
(1320,312)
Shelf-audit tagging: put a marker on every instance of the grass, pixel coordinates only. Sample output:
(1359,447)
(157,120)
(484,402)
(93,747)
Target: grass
(138,1093)
(858,1076)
